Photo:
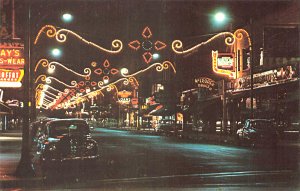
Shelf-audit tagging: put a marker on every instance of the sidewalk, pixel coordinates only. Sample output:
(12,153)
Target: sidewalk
(10,154)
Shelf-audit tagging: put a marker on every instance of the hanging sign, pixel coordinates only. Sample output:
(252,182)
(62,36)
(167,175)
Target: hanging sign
(223,63)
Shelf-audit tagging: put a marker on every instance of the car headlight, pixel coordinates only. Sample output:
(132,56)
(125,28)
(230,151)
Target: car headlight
(52,148)
(90,146)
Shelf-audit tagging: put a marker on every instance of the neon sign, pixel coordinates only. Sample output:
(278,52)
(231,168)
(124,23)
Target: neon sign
(216,58)
(12,56)
(204,82)
(11,78)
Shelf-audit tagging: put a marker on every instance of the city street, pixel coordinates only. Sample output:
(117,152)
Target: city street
(131,160)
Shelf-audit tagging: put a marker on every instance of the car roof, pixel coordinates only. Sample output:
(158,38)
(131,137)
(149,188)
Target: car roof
(252,120)
(67,120)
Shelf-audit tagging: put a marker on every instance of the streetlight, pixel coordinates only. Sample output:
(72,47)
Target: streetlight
(25,167)
(56,52)
(67,17)
(220,19)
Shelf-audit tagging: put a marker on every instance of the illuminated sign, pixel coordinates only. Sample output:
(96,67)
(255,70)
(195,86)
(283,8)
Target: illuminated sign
(11,78)
(223,63)
(205,83)
(124,94)
(134,101)
(124,100)
(12,55)
(13,103)
(123,97)
(267,78)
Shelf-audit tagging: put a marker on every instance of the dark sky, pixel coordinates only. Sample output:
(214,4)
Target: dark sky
(102,21)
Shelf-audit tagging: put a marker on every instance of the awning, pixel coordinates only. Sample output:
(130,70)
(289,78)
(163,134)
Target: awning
(145,112)
(163,111)
(4,109)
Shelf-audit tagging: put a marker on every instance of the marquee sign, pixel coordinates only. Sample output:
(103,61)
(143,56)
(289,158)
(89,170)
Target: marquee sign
(223,63)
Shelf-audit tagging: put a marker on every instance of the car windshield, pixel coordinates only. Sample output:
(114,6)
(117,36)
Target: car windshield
(261,124)
(61,128)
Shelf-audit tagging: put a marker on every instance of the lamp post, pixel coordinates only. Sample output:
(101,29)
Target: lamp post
(25,166)
(220,18)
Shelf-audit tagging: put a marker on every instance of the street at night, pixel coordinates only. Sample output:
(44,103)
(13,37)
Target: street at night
(142,160)
(149,95)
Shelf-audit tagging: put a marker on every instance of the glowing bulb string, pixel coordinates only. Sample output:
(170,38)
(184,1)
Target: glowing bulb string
(51,66)
(159,67)
(49,81)
(61,36)
(177,44)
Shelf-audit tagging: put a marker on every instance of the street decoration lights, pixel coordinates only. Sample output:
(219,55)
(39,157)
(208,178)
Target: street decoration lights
(231,39)
(52,66)
(147,45)
(177,45)
(127,78)
(61,36)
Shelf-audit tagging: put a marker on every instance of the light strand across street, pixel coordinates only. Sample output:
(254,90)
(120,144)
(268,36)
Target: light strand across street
(61,36)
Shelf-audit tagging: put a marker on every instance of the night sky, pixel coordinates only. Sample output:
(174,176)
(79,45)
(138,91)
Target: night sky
(103,21)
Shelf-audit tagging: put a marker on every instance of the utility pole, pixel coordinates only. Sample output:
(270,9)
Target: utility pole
(224,121)
(251,67)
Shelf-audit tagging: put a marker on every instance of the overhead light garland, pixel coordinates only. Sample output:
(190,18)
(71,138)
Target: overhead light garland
(177,45)
(61,36)
(147,45)
(51,66)
(128,78)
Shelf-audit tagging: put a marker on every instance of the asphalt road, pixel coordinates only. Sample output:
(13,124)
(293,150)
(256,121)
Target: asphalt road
(132,161)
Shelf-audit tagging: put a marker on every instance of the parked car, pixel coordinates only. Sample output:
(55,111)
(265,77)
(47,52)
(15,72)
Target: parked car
(67,140)
(168,127)
(258,132)
(37,129)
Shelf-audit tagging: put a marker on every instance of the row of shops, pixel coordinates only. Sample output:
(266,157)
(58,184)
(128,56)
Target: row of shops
(277,99)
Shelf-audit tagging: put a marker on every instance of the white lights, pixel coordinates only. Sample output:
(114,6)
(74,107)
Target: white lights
(105,81)
(220,17)
(56,52)
(67,17)
(124,71)
(155,56)
(51,70)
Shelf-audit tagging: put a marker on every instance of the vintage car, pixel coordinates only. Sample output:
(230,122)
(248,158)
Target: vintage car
(257,132)
(67,140)
(168,127)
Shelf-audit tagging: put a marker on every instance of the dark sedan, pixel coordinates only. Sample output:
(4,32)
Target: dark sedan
(258,132)
(67,140)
